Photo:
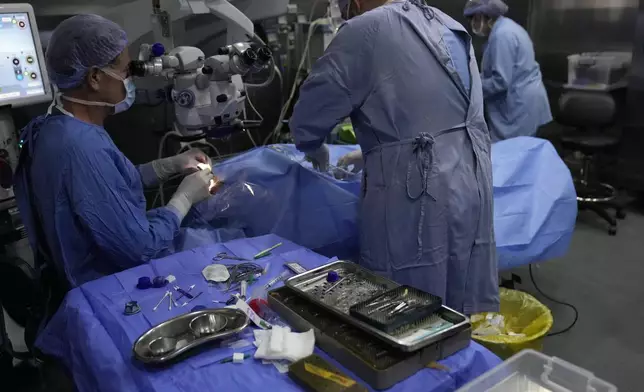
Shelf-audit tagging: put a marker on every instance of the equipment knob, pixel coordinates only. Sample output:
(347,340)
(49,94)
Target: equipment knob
(158,50)
(207,70)
(221,98)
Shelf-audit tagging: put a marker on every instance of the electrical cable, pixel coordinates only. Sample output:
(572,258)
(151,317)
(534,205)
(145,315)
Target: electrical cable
(159,156)
(267,82)
(281,78)
(546,296)
(315,3)
(250,103)
(285,107)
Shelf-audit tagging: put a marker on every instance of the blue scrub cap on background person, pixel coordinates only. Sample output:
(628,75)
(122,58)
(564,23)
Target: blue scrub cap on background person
(80,43)
(491,8)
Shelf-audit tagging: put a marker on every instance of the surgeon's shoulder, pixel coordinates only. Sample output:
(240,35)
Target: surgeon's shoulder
(367,24)
(75,136)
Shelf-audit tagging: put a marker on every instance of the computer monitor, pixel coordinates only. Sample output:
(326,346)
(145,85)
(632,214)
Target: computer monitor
(23,75)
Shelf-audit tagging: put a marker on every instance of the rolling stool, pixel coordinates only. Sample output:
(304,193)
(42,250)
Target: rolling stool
(590,113)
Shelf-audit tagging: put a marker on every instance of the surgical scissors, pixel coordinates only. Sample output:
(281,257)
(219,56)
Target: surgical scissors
(225,256)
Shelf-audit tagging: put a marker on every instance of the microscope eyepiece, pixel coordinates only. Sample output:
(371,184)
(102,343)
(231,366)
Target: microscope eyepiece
(137,68)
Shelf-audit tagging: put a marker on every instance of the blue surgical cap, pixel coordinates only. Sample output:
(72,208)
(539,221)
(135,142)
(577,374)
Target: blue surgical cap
(80,43)
(491,8)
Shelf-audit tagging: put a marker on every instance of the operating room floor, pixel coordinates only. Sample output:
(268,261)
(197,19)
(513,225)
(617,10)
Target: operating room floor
(602,276)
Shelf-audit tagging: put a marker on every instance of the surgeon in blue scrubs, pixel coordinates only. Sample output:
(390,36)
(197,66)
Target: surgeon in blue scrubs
(81,199)
(516,103)
(406,75)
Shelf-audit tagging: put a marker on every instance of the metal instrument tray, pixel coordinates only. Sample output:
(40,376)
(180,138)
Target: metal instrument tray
(359,285)
(375,362)
(172,338)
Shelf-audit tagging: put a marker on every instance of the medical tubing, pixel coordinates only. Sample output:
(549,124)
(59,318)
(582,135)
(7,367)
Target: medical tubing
(286,105)
(267,82)
(568,328)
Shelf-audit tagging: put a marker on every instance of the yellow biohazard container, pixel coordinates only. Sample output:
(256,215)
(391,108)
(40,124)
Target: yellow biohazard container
(524,323)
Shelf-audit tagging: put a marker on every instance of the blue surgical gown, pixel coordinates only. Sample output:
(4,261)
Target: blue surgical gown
(516,103)
(407,76)
(90,200)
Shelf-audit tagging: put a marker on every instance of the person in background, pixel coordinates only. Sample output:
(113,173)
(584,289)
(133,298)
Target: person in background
(516,103)
(81,199)
(406,75)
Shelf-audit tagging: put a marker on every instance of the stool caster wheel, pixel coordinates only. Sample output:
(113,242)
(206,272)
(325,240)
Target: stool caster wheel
(612,231)
(620,214)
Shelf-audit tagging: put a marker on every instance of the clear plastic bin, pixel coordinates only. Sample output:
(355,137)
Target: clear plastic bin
(531,371)
(597,70)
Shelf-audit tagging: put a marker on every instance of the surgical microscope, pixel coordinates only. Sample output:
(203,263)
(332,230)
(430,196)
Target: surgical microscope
(208,93)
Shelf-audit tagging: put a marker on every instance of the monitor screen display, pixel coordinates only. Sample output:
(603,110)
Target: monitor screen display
(19,63)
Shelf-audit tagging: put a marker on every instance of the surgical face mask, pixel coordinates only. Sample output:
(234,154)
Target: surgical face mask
(125,104)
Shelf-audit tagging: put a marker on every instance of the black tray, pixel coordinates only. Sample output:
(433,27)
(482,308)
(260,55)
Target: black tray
(375,362)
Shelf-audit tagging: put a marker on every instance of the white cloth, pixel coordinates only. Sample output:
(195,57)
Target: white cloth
(280,343)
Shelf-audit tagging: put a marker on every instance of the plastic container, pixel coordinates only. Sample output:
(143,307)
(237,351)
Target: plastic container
(526,321)
(535,372)
(597,70)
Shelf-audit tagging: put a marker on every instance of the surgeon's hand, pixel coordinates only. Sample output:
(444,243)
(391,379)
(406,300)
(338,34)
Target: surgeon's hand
(354,158)
(190,160)
(320,158)
(184,163)
(193,189)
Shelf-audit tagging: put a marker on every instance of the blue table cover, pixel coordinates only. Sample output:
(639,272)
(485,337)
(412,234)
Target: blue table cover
(274,190)
(94,339)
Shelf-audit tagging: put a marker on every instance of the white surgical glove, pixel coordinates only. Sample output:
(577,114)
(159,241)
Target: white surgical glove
(193,189)
(353,158)
(320,158)
(183,163)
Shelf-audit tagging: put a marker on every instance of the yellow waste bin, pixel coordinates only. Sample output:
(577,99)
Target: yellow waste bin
(522,323)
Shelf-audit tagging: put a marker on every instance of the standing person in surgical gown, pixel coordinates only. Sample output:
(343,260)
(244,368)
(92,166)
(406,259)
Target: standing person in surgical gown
(406,75)
(80,198)
(516,103)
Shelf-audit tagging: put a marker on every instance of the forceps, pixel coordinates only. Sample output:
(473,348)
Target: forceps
(225,256)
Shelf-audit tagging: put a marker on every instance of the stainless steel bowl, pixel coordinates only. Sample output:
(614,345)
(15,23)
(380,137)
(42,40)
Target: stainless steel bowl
(207,324)
(161,346)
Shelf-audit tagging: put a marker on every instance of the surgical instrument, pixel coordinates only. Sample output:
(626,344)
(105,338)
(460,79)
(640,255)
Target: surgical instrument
(295,267)
(244,271)
(243,289)
(225,256)
(383,307)
(400,306)
(183,292)
(170,304)
(174,302)
(190,300)
(273,281)
(335,285)
(266,252)
(158,304)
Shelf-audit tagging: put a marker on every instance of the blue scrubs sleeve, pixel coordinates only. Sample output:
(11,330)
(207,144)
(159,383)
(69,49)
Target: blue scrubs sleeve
(339,82)
(111,207)
(148,175)
(498,66)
